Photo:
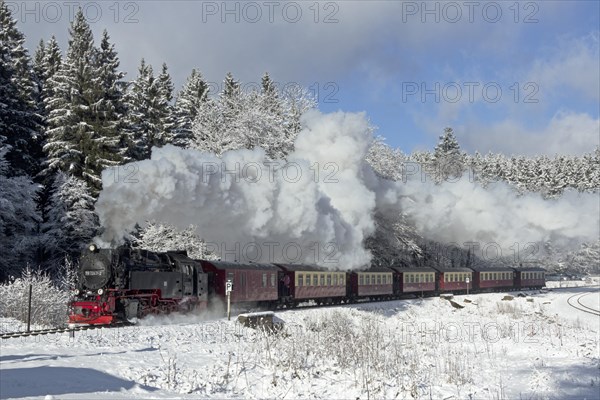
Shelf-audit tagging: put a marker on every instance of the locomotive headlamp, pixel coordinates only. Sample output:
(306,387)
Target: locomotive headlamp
(100,291)
(92,247)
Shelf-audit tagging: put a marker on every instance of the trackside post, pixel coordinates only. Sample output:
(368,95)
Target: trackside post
(228,289)
(29,309)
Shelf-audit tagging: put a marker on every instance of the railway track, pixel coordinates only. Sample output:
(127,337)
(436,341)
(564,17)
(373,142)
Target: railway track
(52,331)
(575,302)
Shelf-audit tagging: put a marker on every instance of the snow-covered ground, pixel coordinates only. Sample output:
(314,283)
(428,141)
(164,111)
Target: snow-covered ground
(591,281)
(531,347)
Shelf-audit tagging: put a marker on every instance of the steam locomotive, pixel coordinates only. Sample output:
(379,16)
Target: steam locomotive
(121,284)
(124,283)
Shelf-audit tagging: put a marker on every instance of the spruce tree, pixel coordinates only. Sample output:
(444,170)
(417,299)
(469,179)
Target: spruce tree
(148,117)
(85,107)
(72,222)
(164,104)
(19,122)
(448,160)
(19,219)
(50,66)
(271,125)
(70,107)
(109,109)
(187,107)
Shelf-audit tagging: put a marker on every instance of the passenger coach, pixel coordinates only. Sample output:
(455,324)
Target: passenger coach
(414,280)
(372,283)
(529,277)
(492,279)
(307,282)
(456,280)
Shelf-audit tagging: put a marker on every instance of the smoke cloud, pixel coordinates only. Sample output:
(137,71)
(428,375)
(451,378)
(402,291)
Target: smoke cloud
(463,211)
(316,207)
(319,205)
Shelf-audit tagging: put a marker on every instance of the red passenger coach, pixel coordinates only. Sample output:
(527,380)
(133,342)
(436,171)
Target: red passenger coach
(252,283)
(307,282)
(491,279)
(454,279)
(373,283)
(414,280)
(530,277)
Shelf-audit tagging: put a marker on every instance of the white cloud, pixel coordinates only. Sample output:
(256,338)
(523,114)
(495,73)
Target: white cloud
(565,133)
(574,64)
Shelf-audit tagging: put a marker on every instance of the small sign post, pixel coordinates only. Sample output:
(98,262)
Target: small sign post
(228,289)
(467,280)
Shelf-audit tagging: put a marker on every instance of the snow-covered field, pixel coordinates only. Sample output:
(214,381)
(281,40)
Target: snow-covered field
(531,347)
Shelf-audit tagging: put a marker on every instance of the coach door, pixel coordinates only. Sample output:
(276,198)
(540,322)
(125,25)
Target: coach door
(243,281)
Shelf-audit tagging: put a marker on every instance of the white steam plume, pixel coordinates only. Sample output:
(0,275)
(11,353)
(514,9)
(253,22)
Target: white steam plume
(320,206)
(317,208)
(463,211)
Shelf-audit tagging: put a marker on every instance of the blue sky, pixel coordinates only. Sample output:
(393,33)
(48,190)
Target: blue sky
(511,77)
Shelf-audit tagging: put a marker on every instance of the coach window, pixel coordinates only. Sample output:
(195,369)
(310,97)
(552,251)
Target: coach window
(322,279)
(342,279)
(335,279)
(300,280)
(367,279)
(308,280)
(361,279)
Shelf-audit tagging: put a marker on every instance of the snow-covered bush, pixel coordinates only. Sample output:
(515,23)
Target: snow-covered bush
(48,302)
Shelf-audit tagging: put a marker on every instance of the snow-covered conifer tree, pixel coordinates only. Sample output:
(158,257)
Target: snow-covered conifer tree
(19,218)
(72,222)
(19,122)
(70,107)
(148,117)
(187,107)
